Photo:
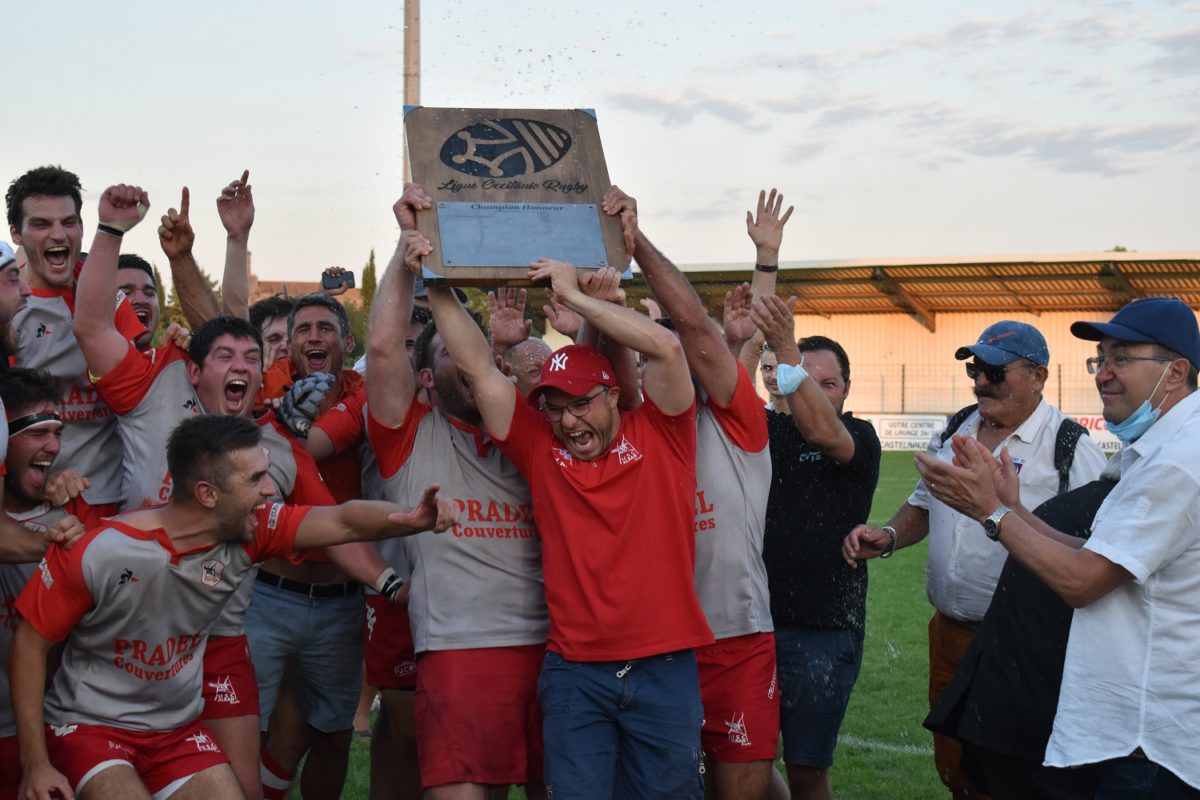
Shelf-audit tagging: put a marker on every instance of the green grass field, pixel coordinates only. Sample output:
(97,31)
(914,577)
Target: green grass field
(884,754)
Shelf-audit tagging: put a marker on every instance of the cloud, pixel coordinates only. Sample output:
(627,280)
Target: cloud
(678,111)
(1180,54)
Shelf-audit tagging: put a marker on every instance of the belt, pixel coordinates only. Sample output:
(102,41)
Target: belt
(311,590)
(960,623)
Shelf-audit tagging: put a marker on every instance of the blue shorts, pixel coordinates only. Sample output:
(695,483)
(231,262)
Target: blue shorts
(622,729)
(817,669)
(323,639)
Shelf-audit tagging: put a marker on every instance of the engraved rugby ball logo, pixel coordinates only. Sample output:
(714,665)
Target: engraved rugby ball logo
(505,148)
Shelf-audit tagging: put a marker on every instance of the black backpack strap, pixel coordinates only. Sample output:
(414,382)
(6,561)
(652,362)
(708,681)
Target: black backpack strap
(956,420)
(1064,451)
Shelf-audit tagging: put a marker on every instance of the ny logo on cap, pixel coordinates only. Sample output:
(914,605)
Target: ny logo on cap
(558,362)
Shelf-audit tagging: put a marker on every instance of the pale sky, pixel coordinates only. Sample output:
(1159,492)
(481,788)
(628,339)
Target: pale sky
(897,128)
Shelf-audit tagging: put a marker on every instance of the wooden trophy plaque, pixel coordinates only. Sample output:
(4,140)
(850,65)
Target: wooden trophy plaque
(510,186)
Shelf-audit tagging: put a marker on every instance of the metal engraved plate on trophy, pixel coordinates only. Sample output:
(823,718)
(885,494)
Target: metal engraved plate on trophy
(510,186)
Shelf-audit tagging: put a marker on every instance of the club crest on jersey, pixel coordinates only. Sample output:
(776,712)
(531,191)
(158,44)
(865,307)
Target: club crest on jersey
(126,577)
(626,452)
(210,573)
(42,330)
(191,405)
(562,457)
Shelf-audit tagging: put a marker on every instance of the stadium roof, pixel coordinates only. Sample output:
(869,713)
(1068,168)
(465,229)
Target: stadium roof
(926,287)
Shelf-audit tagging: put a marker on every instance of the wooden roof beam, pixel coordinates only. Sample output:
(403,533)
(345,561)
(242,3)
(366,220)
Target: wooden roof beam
(903,299)
(1116,282)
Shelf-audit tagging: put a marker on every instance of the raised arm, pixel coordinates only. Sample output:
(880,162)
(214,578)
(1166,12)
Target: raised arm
(235,207)
(506,319)
(103,346)
(176,237)
(391,383)
(766,231)
(367,520)
(703,344)
(666,379)
(495,394)
(816,418)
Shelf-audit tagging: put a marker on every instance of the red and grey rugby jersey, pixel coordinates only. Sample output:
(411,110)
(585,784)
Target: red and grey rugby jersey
(135,614)
(90,443)
(478,584)
(733,481)
(14,577)
(152,393)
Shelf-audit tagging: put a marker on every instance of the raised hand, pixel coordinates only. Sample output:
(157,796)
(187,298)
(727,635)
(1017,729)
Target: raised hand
(738,321)
(341,288)
(562,277)
(413,200)
(506,309)
(178,335)
(123,207)
(175,233)
(561,318)
(617,202)
(416,247)
(766,226)
(603,284)
(653,309)
(235,207)
(773,317)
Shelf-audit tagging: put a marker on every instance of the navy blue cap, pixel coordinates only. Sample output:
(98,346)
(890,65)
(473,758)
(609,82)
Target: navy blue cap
(1159,320)
(1006,341)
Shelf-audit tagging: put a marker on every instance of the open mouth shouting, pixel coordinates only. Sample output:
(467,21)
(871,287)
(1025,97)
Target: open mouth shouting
(317,359)
(39,471)
(236,395)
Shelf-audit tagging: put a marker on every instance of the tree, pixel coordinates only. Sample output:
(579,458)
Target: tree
(358,327)
(369,282)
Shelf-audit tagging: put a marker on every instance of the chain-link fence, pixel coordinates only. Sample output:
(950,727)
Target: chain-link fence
(944,388)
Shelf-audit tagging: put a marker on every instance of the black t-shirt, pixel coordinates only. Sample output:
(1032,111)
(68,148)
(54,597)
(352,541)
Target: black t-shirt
(1005,693)
(814,503)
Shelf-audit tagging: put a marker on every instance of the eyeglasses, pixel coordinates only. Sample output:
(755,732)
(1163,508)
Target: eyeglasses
(767,367)
(578,408)
(1119,361)
(994,374)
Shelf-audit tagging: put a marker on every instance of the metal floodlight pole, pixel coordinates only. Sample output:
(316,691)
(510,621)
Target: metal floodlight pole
(412,63)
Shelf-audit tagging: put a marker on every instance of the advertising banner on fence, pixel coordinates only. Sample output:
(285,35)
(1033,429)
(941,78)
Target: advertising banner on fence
(913,431)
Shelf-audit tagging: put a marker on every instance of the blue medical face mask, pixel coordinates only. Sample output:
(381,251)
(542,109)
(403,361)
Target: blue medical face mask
(1132,427)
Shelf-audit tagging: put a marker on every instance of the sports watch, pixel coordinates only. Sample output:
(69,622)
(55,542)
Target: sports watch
(991,525)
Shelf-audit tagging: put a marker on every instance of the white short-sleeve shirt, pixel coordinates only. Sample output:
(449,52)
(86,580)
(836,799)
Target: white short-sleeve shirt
(1132,672)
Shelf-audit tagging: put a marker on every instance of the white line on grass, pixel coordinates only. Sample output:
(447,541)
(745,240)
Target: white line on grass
(872,744)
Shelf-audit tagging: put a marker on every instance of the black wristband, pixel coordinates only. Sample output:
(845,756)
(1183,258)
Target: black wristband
(766,268)
(392,587)
(110,230)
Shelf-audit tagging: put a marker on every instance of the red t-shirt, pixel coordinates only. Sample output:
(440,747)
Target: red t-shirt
(618,551)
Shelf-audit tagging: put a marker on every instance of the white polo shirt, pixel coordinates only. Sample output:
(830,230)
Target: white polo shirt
(964,564)
(1132,672)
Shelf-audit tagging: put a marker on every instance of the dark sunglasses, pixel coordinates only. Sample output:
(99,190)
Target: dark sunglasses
(994,374)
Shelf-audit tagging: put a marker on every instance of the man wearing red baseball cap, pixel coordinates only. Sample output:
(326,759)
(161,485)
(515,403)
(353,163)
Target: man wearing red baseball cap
(613,495)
